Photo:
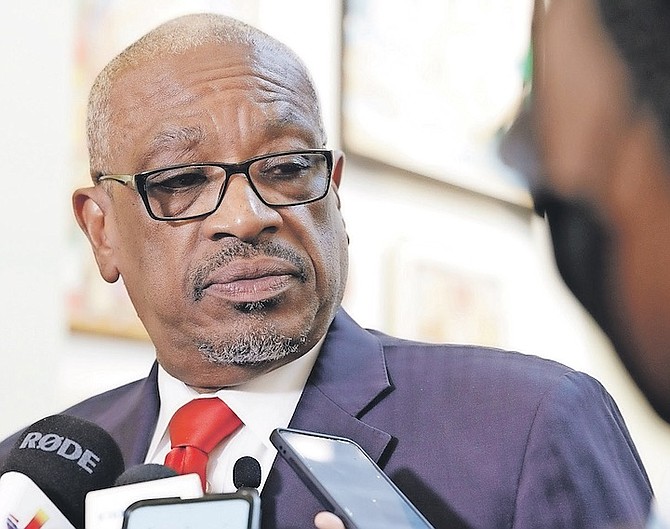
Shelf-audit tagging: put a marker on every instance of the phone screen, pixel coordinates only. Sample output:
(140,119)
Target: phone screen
(209,512)
(347,478)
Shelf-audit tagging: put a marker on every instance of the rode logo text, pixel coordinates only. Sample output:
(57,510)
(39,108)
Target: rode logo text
(62,446)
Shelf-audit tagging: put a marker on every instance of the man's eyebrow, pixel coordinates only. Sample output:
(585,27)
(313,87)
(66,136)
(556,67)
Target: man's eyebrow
(301,119)
(176,141)
(293,122)
(174,144)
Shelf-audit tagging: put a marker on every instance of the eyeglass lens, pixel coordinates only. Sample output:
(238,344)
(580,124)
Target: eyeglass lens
(281,180)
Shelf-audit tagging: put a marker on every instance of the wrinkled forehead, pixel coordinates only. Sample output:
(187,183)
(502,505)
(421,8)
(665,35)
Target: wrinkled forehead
(237,65)
(210,80)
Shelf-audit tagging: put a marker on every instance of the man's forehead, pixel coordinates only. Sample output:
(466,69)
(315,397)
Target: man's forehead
(239,63)
(180,102)
(153,64)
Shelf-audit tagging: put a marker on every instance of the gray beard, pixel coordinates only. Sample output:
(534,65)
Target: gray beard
(251,349)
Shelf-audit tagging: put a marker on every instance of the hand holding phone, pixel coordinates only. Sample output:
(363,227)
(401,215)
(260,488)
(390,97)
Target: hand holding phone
(347,480)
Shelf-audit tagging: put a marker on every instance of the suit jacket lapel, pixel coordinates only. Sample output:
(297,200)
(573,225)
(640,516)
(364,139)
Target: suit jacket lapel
(348,378)
(132,419)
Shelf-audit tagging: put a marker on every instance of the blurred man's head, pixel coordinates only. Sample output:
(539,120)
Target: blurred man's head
(600,122)
(233,270)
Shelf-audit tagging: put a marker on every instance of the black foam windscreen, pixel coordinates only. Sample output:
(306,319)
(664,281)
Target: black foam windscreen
(247,473)
(145,472)
(66,457)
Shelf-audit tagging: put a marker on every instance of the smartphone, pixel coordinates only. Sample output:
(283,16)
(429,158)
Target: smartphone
(347,481)
(235,510)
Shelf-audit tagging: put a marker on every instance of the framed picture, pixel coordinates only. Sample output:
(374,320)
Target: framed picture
(438,299)
(429,86)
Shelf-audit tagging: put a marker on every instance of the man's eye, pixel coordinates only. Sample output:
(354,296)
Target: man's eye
(286,170)
(176,181)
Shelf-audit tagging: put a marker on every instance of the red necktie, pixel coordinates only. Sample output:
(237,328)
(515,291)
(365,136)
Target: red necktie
(195,429)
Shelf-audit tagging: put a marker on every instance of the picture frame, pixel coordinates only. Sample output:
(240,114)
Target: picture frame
(430,87)
(437,298)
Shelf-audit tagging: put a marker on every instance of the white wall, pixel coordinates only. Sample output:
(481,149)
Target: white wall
(46,368)
(35,103)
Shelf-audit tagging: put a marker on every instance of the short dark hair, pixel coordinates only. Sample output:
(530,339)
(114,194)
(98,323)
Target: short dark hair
(640,29)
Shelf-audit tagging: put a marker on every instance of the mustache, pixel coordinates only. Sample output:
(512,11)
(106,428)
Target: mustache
(198,277)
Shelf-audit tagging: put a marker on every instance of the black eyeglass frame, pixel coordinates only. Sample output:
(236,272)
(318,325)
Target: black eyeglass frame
(138,181)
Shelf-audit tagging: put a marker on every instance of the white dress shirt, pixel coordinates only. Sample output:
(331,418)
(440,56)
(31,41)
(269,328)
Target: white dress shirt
(263,404)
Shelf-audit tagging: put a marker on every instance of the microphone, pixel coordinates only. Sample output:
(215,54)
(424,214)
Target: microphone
(146,472)
(59,458)
(24,505)
(239,510)
(247,479)
(247,473)
(105,508)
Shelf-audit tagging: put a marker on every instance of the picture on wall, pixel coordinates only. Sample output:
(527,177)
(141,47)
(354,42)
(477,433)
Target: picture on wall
(438,299)
(430,86)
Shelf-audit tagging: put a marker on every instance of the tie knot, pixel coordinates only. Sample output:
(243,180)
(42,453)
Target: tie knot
(203,424)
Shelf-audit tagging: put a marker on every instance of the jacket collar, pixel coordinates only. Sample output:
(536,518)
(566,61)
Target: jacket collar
(348,377)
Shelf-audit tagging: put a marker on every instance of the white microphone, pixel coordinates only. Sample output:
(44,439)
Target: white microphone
(23,505)
(104,508)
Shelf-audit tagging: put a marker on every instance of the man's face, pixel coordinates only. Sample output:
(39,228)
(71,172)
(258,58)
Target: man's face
(604,183)
(249,287)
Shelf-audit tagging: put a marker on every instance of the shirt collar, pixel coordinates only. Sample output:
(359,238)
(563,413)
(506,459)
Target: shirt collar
(263,403)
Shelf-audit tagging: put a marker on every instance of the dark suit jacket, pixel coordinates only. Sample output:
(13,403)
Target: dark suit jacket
(476,437)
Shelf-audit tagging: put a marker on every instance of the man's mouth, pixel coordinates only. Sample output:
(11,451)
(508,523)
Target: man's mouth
(244,273)
(250,281)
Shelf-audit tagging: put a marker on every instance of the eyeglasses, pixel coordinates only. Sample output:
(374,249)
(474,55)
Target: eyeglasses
(189,191)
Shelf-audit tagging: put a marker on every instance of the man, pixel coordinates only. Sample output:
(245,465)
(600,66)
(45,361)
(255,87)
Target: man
(602,186)
(600,123)
(216,201)
(606,155)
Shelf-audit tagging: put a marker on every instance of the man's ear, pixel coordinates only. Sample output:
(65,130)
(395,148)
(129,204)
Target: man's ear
(338,166)
(338,169)
(92,209)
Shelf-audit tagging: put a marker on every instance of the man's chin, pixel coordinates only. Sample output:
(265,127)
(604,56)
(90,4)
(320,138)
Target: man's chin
(257,345)
(254,307)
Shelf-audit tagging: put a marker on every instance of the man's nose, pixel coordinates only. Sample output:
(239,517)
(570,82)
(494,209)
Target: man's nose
(241,213)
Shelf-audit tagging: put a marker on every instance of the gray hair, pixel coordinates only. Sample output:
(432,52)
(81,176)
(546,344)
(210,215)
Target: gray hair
(171,38)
